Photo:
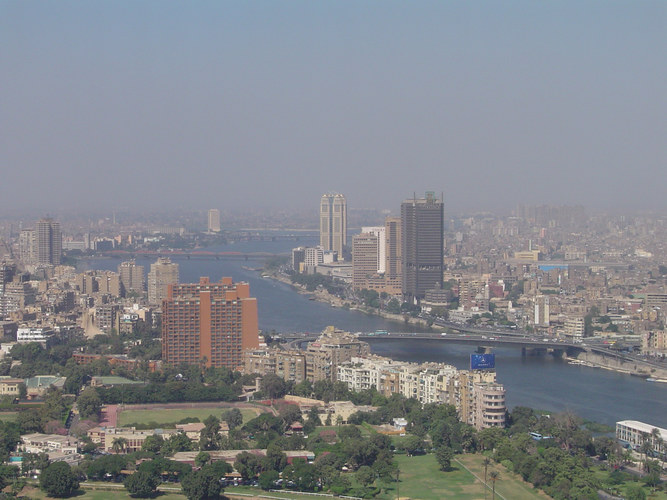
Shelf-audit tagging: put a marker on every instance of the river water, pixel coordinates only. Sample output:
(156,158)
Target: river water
(540,382)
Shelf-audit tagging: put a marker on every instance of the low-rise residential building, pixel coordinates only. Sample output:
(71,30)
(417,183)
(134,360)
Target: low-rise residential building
(289,365)
(38,385)
(331,349)
(10,386)
(477,398)
(48,443)
(41,335)
(128,438)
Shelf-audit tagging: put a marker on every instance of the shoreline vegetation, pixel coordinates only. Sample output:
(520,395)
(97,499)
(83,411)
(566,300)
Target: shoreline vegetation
(321,295)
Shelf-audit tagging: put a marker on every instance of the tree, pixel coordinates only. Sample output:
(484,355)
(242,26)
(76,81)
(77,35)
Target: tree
(247,464)
(412,444)
(202,459)
(153,443)
(142,484)
(119,444)
(275,459)
(30,420)
(58,480)
(365,476)
(635,492)
(494,475)
(201,485)
(210,435)
(444,456)
(273,386)
(177,442)
(302,474)
(233,417)
(267,479)
(89,404)
(290,413)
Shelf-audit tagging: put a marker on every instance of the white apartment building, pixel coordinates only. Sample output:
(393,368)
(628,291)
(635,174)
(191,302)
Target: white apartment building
(634,433)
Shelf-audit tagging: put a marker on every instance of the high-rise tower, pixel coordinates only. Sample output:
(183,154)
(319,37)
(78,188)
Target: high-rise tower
(163,272)
(214,220)
(209,323)
(49,242)
(422,239)
(131,276)
(333,223)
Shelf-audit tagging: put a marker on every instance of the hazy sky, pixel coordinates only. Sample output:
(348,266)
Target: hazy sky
(152,104)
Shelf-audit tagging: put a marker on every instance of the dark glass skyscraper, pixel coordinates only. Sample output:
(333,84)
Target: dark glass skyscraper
(422,240)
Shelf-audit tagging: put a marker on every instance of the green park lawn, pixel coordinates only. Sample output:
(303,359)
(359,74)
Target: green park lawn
(87,494)
(508,484)
(170,416)
(421,478)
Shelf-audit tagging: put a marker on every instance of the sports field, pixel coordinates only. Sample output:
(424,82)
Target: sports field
(170,416)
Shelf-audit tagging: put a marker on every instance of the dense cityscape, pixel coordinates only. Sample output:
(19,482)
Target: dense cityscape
(362,250)
(99,364)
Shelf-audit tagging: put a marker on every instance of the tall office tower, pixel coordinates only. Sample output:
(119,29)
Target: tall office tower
(333,223)
(364,259)
(209,323)
(131,277)
(422,240)
(163,272)
(214,220)
(393,248)
(27,247)
(49,242)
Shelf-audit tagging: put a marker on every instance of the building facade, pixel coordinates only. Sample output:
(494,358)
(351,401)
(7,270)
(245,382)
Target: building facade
(209,323)
(422,240)
(333,223)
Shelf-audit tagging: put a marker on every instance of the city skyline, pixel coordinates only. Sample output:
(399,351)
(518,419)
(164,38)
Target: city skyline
(255,106)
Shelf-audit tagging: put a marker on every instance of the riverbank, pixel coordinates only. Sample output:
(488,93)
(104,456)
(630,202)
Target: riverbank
(635,368)
(321,295)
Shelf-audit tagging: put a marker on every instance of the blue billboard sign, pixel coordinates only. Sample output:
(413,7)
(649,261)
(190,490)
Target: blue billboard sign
(482,361)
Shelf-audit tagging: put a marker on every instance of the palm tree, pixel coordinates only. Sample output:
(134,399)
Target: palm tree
(658,442)
(487,462)
(645,447)
(119,444)
(494,475)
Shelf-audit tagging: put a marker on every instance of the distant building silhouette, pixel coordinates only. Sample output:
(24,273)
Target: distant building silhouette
(131,277)
(214,220)
(163,272)
(333,223)
(49,242)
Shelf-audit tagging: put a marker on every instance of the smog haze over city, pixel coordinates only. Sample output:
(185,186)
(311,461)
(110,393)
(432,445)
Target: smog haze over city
(156,105)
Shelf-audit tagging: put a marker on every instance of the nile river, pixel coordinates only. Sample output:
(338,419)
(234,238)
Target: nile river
(540,382)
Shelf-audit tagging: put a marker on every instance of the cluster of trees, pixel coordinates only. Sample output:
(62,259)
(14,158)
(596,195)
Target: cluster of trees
(177,384)
(560,464)
(313,281)
(50,416)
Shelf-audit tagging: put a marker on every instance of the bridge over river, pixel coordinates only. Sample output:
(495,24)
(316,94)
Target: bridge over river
(593,350)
